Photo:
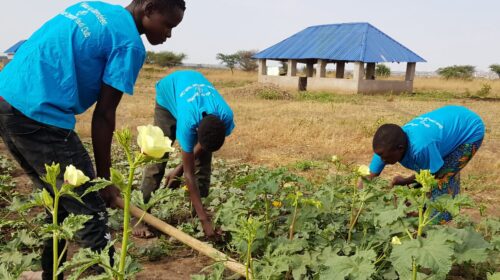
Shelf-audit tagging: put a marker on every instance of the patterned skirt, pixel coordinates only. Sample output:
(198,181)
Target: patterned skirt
(449,175)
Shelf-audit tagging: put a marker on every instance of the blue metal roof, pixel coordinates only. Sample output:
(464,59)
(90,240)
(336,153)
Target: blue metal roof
(344,42)
(15,47)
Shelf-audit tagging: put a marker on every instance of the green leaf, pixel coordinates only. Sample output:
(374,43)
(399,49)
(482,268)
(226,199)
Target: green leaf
(432,253)
(446,203)
(494,276)
(98,185)
(74,195)
(118,179)
(469,245)
(391,215)
(72,224)
(48,201)
(359,266)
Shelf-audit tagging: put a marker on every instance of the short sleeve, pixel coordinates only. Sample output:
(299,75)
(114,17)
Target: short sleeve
(186,135)
(122,68)
(377,165)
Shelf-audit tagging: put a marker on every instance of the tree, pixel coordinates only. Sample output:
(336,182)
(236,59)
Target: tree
(463,72)
(230,60)
(165,59)
(495,68)
(246,62)
(382,70)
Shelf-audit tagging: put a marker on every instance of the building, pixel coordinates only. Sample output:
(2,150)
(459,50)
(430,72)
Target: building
(358,43)
(10,52)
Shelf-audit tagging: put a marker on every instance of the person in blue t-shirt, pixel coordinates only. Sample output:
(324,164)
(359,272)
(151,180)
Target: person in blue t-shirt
(88,54)
(189,109)
(443,141)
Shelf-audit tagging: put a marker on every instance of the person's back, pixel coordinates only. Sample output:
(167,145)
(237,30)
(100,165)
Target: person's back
(57,73)
(188,95)
(449,127)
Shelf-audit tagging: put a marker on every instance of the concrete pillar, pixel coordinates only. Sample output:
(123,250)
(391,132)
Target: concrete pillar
(321,69)
(310,69)
(358,72)
(340,70)
(410,71)
(292,68)
(262,67)
(370,71)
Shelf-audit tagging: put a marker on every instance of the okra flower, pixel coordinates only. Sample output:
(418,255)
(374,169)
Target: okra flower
(335,158)
(363,170)
(74,177)
(395,240)
(277,204)
(153,142)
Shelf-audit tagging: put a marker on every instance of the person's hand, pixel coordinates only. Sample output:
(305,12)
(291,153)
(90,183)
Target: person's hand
(172,180)
(208,229)
(110,195)
(398,181)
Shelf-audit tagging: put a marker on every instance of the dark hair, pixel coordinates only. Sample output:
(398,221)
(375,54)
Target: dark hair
(164,4)
(211,133)
(389,136)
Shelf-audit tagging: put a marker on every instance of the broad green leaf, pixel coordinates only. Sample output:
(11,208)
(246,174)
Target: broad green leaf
(446,203)
(469,245)
(432,253)
(359,266)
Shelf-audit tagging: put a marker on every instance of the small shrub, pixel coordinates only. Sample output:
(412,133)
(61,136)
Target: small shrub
(484,91)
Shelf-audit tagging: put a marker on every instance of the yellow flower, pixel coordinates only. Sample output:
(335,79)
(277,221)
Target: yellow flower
(185,188)
(395,241)
(335,158)
(277,204)
(153,142)
(74,176)
(363,170)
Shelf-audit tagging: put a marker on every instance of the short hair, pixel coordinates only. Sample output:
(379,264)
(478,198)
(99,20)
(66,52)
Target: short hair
(211,133)
(164,4)
(389,136)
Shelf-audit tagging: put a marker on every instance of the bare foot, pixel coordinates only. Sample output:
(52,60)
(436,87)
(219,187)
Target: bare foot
(31,275)
(141,230)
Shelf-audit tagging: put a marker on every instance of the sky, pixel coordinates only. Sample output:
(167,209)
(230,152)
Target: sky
(444,32)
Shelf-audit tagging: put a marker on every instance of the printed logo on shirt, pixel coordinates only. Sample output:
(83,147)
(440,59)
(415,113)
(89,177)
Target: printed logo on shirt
(198,90)
(426,122)
(77,18)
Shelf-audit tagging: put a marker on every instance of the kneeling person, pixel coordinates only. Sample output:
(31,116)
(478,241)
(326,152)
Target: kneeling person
(189,109)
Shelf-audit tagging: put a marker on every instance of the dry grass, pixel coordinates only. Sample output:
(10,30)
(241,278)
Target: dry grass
(282,132)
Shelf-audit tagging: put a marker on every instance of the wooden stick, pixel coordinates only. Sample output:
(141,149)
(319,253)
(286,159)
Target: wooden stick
(194,243)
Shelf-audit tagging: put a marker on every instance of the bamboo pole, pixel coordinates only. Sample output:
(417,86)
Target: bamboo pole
(194,243)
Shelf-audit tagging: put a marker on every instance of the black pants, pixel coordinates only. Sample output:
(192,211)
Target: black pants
(153,173)
(33,145)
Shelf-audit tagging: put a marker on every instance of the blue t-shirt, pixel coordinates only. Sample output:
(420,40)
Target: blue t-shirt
(187,95)
(58,72)
(434,135)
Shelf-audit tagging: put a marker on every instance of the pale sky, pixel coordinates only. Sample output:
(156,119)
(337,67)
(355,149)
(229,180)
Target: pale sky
(444,32)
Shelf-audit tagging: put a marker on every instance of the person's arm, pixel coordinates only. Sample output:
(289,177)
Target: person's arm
(174,175)
(103,126)
(188,160)
(402,181)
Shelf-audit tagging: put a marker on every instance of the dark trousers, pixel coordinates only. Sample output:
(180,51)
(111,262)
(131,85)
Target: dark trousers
(153,174)
(33,145)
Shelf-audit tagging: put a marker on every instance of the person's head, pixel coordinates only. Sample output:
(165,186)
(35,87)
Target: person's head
(157,18)
(390,143)
(211,133)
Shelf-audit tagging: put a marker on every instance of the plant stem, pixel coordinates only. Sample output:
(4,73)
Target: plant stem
(249,258)
(353,222)
(126,222)
(414,274)
(55,235)
(294,218)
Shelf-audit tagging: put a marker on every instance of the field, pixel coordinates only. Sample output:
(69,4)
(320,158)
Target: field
(290,137)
